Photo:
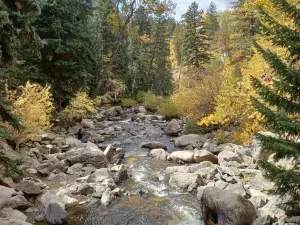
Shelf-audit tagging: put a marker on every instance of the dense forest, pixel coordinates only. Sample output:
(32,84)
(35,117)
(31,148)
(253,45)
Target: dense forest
(234,73)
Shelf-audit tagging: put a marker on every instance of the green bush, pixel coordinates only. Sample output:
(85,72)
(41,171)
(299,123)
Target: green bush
(220,136)
(128,102)
(161,104)
(168,108)
(191,127)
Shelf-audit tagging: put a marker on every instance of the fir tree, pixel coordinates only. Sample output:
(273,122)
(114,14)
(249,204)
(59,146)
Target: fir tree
(195,47)
(212,23)
(68,57)
(18,40)
(280,104)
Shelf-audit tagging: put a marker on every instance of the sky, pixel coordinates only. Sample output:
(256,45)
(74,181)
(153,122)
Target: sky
(182,5)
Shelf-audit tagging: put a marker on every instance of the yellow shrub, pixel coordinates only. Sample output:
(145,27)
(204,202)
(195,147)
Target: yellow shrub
(220,136)
(128,102)
(151,101)
(34,106)
(168,108)
(78,108)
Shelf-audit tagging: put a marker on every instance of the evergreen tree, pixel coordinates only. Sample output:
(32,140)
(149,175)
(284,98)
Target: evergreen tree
(212,23)
(68,55)
(195,47)
(18,40)
(280,104)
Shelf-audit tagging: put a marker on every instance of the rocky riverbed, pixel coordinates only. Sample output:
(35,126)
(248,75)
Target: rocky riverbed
(136,168)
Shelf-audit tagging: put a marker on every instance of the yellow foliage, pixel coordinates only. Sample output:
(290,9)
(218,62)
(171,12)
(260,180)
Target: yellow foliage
(145,38)
(34,106)
(78,108)
(220,136)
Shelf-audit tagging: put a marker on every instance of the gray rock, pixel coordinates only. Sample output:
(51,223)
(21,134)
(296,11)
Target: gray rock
(190,139)
(140,109)
(204,155)
(75,169)
(6,193)
(185,181)
(154,145)
(258,201)
(237,189)
(85,189)
(13,214)
(17,202)
(121,176)
(173,127)
(221,184)
(29,187)
(200,192)
(8,221)
(210,146)
(87,123)
(113,111)
(226,208)
(228,156)
(182,156)
(100,175)
(107,198)
(159,154)
(55,214)
(48,137)
(87,155)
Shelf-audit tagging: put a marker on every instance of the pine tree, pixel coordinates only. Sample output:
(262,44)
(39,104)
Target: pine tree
(195,47)
(280,104)
(68,56)
(18,40)
(211,19)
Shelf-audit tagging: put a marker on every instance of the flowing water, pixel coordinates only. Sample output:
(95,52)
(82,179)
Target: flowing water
(150,201)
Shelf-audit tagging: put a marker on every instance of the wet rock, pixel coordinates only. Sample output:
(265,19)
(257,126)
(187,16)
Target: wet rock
(13,214)
(87,155)
(154,145)
(190,139)
(204,155)
(121,176)
(159,154)
(87,123)
(183,156)
(226,208)
(55,214)
(107,198)
(75,169)
(29,187)
(185,181)
(17,202)
(173,127)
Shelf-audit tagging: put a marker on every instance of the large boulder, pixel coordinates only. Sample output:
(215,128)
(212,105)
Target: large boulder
(17,202)
(204,155)
(185,181)
(5,194)
(29,187)
(114,111)
(159,154)
(173,127)
(55,214)
(12,214)
(9,221)
(182,156)
(190,139)
(221,207)
(87,155)
(154,145)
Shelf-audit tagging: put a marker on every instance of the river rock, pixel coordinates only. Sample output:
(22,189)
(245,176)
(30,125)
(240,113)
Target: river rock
(17,202)
(211,146)
(154,145)
(140,109)
(185,181)
(100,175)
(228,156)
(6,193)
(29,187)
(13,214)
(204,155)
(87,155)
(173,127)
(107,198)
(75,169)
(9,221)
(182,156)
(85,189)
(55,214)
(190,139)
(87,123)
(159,154)
(223,207)
(120,176)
